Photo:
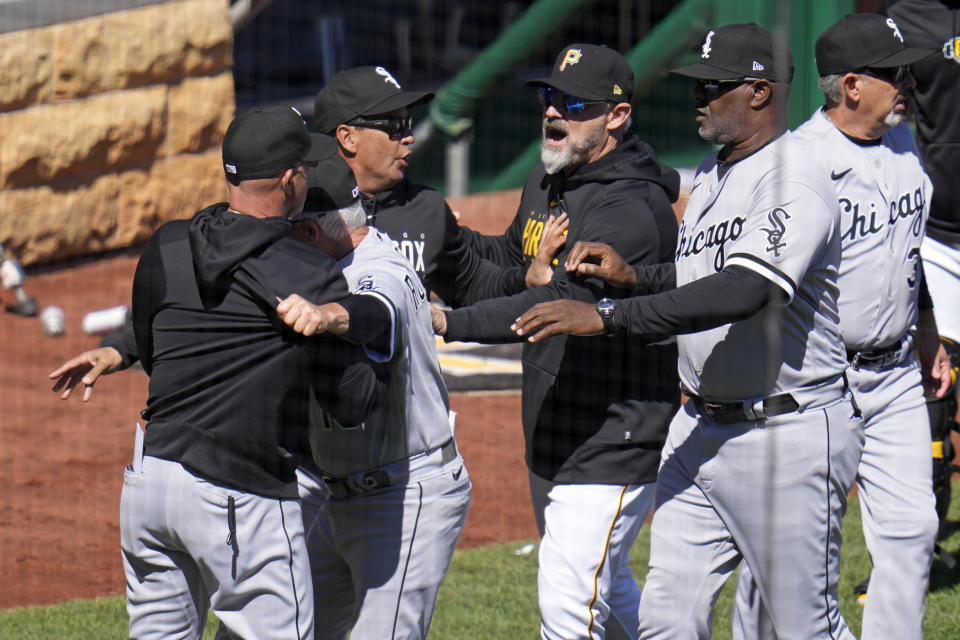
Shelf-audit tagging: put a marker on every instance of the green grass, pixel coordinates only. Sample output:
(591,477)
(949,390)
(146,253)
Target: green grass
(492,593)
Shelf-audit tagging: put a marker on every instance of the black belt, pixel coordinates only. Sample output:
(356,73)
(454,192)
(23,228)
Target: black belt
(876,359)
(359,484)
(744,411)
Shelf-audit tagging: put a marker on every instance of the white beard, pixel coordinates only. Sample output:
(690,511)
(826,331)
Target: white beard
(571,154)
(554,160)
(893,118)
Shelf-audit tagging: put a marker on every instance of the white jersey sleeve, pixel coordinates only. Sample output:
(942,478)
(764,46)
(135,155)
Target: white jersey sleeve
(784,231)
(384,287)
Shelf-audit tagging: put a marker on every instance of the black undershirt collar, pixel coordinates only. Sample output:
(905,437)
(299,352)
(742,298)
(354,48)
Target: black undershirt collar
(860,142)
(724,165)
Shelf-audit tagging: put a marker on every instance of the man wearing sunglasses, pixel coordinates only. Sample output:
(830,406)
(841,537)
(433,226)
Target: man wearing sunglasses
(367,112)
(884,196)
(758,461)
(209,514)
(595,409)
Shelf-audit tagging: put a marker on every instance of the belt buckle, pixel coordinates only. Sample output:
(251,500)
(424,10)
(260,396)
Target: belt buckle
(372,480)
(717,411)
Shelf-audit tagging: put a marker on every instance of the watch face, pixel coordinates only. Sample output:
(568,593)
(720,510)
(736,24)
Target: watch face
(605,307)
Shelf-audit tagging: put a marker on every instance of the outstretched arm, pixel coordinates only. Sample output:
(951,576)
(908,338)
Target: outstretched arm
(733,294)
(85,369)
(600,260)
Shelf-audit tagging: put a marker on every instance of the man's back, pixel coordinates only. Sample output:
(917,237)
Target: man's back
(221,363)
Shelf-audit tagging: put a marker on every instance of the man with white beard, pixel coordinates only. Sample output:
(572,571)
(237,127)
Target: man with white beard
(886,315)
(595,409)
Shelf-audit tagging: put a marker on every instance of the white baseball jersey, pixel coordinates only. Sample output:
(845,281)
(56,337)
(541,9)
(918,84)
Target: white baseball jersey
(775,213)
(884,197)
(414,415)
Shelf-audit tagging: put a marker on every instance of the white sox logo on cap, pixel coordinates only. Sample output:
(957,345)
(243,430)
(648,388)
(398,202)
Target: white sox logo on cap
(572,57)
(951,49)
(387,77)
(706,46)
(896,29)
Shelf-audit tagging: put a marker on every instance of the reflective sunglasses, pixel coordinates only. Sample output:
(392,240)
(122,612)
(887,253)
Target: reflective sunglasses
(893,75)
(564,101)
(714,88)
(393,127)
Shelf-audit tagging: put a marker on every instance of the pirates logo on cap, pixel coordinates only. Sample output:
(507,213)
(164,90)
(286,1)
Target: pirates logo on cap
(572,57)
(951,49)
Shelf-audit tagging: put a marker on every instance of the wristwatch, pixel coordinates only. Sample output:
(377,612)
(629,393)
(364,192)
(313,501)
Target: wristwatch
(606,308)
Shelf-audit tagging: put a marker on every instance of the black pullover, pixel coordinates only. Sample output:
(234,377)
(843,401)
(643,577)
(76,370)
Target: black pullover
(935,25)
(229,382)
(595,409)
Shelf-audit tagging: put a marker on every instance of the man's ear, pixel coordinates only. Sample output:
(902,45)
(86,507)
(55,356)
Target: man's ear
(347,138)
(618,115)
(760,93)
(305,231)
(850,83)
(286,181)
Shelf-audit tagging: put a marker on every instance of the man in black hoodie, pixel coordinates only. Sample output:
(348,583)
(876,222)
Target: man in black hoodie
(367,111)
(595,409)
(209,508)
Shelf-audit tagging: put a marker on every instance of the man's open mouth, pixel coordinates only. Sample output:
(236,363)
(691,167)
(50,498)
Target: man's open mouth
(554,132)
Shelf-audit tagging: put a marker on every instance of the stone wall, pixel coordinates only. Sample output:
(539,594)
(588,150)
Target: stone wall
(111,125)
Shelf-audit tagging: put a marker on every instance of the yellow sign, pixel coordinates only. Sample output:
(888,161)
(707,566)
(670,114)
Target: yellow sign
(572,57)
(617,91)
(951,49)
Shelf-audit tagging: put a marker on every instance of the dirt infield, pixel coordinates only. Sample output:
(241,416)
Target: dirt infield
(61,463)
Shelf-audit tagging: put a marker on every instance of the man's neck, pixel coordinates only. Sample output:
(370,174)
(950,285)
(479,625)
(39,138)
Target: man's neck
(256,207)
(756,140)
(850,125)
(609,145)
(357,236)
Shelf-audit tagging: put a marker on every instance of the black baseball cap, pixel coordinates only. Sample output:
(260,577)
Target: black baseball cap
(741,51)
(590,71)
(863,40)
(266,141)
(362,91)
(331,184)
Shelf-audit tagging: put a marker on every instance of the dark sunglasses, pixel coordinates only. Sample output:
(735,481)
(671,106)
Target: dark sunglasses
(893,75)
(564,101)
(393,127)
(715,88)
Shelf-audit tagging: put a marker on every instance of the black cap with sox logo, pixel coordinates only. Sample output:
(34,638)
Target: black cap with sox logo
(736,51)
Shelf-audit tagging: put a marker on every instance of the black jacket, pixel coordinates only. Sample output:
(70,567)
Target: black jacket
(229,382)
(442,253)
(935,25)
(595,409)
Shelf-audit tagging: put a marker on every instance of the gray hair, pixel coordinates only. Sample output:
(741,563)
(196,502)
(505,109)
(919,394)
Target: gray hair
(338,224)
(832,88)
